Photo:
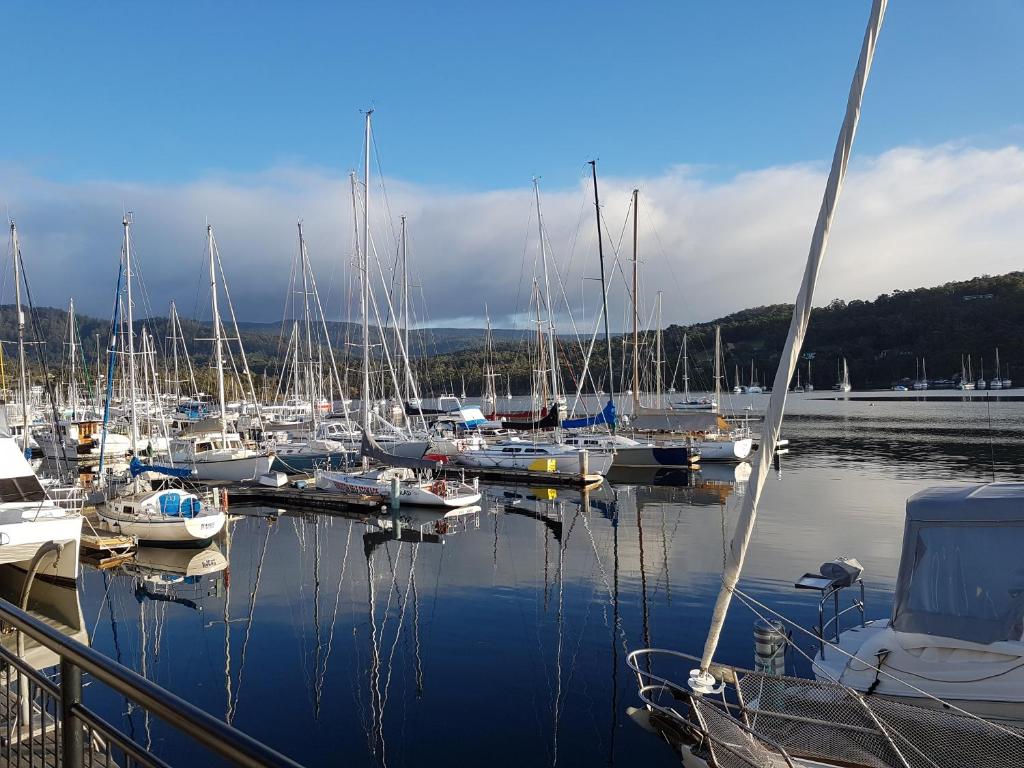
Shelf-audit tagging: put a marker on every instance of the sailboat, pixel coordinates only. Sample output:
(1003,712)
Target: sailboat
(798,388)
(212,450)
(809,386)
(997,382)
(133,508)
(737,389)
(921,380)
(409,477)
(722,715)
(689,403)
(843,385)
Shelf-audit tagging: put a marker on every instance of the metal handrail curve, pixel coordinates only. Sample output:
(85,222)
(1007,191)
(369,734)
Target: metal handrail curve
(214,734)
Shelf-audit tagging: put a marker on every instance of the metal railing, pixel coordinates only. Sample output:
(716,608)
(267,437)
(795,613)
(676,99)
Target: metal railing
(48,723)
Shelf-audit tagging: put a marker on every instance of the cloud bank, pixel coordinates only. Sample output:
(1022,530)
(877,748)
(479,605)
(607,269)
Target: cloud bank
(908,217)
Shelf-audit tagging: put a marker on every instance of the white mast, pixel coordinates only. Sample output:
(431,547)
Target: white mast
(406,315)
(701,680)
(636,308)
(686,366)
(126,222)
(23,378)
(364,276)
(310,388)
(657,355)
(218,352)
(718,363)
(547,294)
(72,389)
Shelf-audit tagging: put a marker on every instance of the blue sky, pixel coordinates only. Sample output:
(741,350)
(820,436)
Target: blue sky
(484,95)
(724,114)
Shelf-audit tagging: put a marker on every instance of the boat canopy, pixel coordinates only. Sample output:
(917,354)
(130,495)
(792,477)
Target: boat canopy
(136,468)
(961,574)
(671,420)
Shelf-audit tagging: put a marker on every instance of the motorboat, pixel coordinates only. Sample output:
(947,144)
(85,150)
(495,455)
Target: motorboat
(413,488)
(956,631)
(30,519)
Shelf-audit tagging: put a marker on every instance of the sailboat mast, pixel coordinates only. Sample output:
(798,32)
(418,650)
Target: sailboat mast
(718,365)
(553,365)
(126,222)
(405,310)
(636,308)
(72,389)
(657,355)
(604,290)
(310,389)
(217,351)
(364,285)
(23,378)
(686,366)
(701,679)
(174,351)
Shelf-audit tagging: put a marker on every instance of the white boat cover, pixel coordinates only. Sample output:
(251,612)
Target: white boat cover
(961,574)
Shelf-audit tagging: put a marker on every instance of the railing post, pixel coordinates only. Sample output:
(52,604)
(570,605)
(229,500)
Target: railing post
(71,727)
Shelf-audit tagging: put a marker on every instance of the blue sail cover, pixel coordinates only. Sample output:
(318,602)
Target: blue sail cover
(137,468)
(606,416)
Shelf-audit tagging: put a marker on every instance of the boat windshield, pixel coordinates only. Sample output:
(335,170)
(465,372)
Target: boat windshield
(966,582)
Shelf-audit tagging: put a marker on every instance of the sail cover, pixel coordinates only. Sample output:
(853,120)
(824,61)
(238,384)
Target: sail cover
(548,421)
(137,468)
(606,416)
(371,449)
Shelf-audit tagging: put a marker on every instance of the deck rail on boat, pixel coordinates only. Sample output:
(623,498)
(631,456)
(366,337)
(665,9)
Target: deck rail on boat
(47,722)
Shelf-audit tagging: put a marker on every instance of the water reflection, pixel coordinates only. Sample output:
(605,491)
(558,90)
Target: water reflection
(428,639)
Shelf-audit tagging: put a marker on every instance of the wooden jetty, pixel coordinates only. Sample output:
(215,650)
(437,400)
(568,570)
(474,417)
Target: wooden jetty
(308,497)
(101,547)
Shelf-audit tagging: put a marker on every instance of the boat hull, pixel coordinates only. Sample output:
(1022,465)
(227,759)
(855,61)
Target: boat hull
(19,542)
(237,470)
(654,456)
(725,450)
(439,493)
(195,531)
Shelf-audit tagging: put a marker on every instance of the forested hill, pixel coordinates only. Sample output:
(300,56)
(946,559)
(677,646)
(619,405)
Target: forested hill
(880,339)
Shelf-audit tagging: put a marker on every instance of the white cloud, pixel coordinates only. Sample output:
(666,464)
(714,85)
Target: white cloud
(909,217)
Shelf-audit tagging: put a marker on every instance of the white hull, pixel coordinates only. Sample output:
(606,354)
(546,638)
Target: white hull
(19,542)
(437,493)
(171,531)
(725,450)
(237,470)
(567,463)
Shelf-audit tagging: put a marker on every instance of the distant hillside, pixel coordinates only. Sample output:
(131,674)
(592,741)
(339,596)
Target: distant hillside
(880,340)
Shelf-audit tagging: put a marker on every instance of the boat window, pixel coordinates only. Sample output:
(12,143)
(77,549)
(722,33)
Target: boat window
(128,509)
(967,582)
(25,488)
(204,446)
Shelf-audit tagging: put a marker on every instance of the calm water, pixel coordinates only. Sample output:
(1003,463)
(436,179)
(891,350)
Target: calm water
(500,636)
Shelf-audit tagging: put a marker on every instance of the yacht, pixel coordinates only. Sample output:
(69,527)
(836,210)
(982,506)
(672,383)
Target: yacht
(517,453)
(956,631)
(413,489)
(635,453)
(163,517)
(29,519)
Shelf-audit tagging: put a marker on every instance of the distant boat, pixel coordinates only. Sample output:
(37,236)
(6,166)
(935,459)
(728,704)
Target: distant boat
(899,388)
(921,380)
(798,389)
(843,385)
(997,382)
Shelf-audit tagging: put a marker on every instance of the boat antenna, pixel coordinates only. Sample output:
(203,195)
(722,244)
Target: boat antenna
(701,680)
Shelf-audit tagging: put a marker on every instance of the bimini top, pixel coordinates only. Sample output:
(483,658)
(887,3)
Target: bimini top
(993,502)
(961,572)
